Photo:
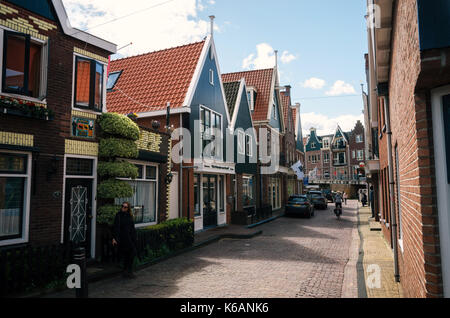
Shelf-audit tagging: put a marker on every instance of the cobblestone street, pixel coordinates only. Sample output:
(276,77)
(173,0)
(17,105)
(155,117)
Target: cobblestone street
(294,257)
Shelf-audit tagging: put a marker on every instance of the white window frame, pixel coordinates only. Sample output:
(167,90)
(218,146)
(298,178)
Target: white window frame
(216,156)
(105,81)
(156,181)
(359,139)
(326,143)
(241,142)
(249,146)
(26,199)
(211,77)
(44,68)
(251,99)
(358,153)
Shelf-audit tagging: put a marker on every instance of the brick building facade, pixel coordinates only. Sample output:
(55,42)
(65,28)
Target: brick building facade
(45,150)
(409,108)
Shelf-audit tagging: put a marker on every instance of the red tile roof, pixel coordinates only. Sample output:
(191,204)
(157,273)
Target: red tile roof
(262,81)
(149,81)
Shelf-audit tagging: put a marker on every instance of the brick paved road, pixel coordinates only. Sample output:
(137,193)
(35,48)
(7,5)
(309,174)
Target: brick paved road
(294,257)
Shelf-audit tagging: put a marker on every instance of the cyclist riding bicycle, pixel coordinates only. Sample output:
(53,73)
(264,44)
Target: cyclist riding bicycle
(338,201)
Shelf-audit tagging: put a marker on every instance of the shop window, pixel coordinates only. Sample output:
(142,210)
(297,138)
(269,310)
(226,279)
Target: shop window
(144,201)
(89,84)
(13,184)
(248,191)
(24,65)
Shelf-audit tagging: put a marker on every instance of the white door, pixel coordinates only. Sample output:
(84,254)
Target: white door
(173,195)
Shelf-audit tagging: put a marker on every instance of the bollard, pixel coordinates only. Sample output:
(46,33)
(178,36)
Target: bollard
(79,257)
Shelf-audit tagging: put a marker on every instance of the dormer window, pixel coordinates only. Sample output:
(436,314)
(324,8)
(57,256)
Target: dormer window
(112,80)
(251,96)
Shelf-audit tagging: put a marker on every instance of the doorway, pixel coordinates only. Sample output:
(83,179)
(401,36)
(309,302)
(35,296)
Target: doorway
(78,213)
(209,184)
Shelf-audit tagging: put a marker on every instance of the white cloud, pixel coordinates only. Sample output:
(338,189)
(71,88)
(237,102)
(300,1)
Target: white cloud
(341,88)
(314,83)
(287,57)
(265,58)
(326,125)
(152,24)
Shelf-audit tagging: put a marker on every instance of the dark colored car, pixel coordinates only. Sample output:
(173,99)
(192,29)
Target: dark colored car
(299,205)
(328,195)
(318,199)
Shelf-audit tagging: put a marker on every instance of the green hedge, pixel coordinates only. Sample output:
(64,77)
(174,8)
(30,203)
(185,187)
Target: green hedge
(112,189)
(119,126)
(107,213)
(121,169)
(167,237)
(113,148)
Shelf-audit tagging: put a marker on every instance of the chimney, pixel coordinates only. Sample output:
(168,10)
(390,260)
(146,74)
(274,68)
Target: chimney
(276,58)
(212,17)
(288,90)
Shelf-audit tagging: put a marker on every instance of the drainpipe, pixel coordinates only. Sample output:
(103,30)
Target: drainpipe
(391,188)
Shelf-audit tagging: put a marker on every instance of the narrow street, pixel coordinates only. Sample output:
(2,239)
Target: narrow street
(294,257)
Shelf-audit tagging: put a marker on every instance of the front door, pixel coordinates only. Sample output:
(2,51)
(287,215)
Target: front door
(78,213)
(209,201)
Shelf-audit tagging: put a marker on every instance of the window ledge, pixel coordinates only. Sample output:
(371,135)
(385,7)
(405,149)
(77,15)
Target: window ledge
(25,98)
(13,242)
(87,110)
(139,226)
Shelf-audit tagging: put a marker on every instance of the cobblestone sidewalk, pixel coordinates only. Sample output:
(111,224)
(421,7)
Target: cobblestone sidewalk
(377,258)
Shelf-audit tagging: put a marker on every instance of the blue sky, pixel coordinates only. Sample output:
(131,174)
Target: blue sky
(322,41)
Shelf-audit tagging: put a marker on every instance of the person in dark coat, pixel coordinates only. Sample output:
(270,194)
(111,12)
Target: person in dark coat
(364,199)
(124,235)
(371,200)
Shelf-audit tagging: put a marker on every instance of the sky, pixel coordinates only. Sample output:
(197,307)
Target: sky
(321,43)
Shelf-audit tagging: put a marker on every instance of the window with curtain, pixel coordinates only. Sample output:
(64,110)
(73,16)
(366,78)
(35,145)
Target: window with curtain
(13,181)
(23,72)
(144,201)
(89,84)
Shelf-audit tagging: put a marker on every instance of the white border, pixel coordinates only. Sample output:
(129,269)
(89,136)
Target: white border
(151,164)
(27,199)
(442,186)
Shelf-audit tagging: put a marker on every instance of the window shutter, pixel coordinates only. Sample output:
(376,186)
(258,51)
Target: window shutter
(44,72)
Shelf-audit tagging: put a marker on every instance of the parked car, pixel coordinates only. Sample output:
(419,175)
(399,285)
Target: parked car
(328,195)
(300,205)
(318,199)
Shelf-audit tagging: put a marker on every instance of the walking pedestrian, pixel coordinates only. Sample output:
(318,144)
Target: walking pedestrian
(124,235)
(345,198)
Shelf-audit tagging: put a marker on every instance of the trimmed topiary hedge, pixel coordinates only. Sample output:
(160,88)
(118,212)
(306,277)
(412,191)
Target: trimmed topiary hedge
(114,147)
(112,189)
(119,126)
(120,169)
(107,213)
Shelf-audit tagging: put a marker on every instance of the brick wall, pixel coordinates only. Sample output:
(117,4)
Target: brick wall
(412,134)
(49,136)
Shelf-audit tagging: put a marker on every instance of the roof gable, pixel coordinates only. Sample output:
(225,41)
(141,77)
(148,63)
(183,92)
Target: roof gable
(262,80)
(149,81)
